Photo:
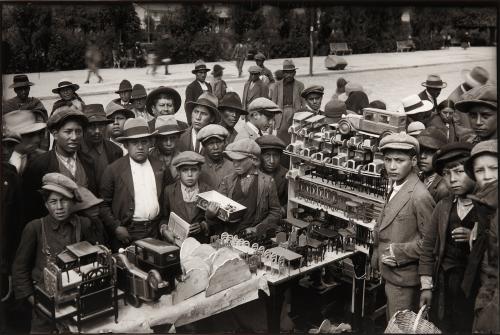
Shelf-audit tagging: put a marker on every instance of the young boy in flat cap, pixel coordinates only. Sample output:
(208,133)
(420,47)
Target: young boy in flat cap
(401,225)
(44,238)
(250,187)
(261,113)
(313,96)
(180,197)
(213,138)
(430,141)
(446,245)
(118,115)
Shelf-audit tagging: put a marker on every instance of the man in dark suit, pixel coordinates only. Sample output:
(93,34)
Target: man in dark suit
(125,92)
(197,87)
(433,86)
(67,125)
(132,188)
(254,87)
(102,151)
(400,227)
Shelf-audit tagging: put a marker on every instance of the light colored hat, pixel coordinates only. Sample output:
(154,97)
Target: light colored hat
(259,56)
(135,128)
(477,77)
(212,130)
(485,95)
(415,128)
(434,81)
(485,147)
(23,122)
(242,149)
(88,200)
(167,125)
(113,108)
(10,136)
(255,69)
(59,183)
(413,105)
(399,141)
(187,158)
(210,101)
(288,65)
(200,66)
(353,87)
(263,104)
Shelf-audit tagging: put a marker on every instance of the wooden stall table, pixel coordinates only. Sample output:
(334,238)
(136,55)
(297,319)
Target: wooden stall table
(142,319)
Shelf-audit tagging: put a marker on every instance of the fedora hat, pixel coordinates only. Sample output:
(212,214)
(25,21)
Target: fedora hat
(20,80)
(125,86)
(476,77)
(113,108)
(23,122)
(288,65)
(63,84)
(167,125)
(95,113)
(200,66)
(138,92)
(231,100)
(135,128)
(210,101)
(413,105)
(434,81)
(170,92)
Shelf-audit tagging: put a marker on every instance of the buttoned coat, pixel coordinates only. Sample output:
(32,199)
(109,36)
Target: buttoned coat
(259,90)
(117,191)
(186,142)
(402,223)
(283,121)
(193,91)
(246,132)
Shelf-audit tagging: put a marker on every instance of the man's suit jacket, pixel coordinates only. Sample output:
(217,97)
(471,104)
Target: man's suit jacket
(117,191)
(193,91)
(424,96)
(402,222)
(32,181)
(259,90)
(246,132)
(185,142)
(283,121)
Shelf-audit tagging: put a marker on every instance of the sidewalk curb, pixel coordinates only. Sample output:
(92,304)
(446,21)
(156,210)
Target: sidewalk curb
(318,74)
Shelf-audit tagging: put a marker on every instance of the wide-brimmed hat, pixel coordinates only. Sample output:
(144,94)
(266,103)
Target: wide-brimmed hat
(231,100)
(95,113)
(210,101)
(135,128)
(476,77)
(200,66)
(23,122)
(432,138)
(168,125)
(449,153)
(138,92)
(399,141)
(113,108)
(243,148)
(168,91)
(288,65)
(217,68)
(187,158)
(485,95)
(125,86)
(63,84)
(63,113)
(312,89)
(87,200)
(212,130)
(434,81)
(59,183)
(485,147)
(413,105)
(415,128)
(10,136)
(20,80)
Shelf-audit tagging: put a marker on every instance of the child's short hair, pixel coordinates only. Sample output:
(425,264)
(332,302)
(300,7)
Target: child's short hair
(452,164)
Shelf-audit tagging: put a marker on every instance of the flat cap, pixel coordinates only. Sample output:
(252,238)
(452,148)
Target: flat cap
(87,200)
(399,141)
(334,110)
(312,89)
(59,183)
(259,56)
(10,136)
(449,153)
(432,138)
(485,95)
(212,130)
(485,147)
(263,104)
(95,113)
(270,142)
(254,69)
(60,115)
(242,149)
(188,158)
(353,87)
(415,128)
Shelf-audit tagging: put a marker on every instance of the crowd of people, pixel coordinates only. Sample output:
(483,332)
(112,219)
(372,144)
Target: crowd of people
(112,175)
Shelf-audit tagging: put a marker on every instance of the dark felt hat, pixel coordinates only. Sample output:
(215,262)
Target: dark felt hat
(231,100)
(138,92)
(270,142)
(95,113)
(20,80)
(449,153)
(168,91)
(432,138)
(125,86)
(63,84)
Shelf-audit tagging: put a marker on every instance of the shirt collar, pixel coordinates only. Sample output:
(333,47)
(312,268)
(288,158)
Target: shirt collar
(396,188)
(140,165)
(54,224)
(430,96)
(253,127)
(63,158)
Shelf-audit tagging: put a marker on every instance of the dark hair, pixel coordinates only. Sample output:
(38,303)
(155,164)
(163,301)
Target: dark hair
(341,82)
(452,163)
(446,104)
(377,104)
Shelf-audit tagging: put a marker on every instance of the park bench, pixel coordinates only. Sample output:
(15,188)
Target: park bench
(402,46)
(337,48)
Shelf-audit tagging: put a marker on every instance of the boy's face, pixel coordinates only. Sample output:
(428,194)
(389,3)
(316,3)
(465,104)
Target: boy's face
(138,148)
(314,100)
(483,121)
(485,169)
(167,143)
(270,160)
(215,147)
(425,159)
(201,117)
(457,180)
(261,121)
(398,165)
(125,96)
(189,174)
(116,128)
(230,117)
(58,206)
(243,166)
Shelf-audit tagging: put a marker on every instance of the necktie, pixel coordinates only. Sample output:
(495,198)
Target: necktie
(260,133)
(22,165)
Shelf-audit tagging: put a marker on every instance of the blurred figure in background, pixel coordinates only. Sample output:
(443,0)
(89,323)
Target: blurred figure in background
(92,59)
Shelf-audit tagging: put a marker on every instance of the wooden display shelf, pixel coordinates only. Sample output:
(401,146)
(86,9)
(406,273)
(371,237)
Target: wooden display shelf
(330,211)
